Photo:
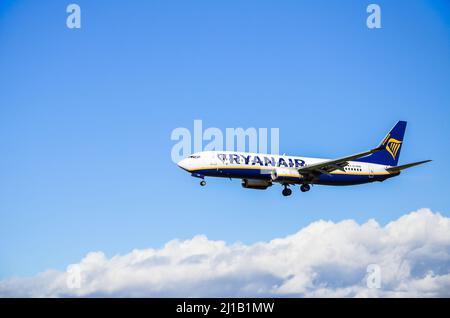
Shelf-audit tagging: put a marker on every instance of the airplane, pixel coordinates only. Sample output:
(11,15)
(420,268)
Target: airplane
(260,171)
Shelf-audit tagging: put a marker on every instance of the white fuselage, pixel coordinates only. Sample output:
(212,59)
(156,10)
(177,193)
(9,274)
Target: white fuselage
(278,168)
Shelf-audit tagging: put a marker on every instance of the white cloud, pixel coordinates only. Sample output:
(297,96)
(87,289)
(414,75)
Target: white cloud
(323,259)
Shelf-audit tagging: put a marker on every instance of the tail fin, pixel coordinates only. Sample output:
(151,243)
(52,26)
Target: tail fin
(391,146)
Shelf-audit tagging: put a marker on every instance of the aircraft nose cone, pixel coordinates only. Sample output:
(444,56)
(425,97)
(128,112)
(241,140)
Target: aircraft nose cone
(183,164)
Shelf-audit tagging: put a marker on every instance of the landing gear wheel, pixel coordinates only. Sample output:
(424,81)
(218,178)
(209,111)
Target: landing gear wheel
(305,187)
(286,192)
(203,183)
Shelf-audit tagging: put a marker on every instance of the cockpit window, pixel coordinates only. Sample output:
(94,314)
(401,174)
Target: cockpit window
(194,157)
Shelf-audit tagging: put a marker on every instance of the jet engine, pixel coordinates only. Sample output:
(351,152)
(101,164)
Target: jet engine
(256,184)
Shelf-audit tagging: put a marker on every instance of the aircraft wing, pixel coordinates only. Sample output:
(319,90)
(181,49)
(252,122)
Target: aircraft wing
(336,164)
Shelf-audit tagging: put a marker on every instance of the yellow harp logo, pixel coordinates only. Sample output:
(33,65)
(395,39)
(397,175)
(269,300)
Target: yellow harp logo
(392,146)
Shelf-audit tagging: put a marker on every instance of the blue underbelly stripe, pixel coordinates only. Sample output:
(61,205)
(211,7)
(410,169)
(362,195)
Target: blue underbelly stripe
(256,174)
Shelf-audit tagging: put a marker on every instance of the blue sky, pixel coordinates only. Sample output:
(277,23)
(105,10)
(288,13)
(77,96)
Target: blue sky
(86,117)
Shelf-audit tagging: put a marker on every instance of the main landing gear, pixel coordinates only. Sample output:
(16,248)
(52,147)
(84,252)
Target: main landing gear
(286,191)
(203,183)
(305,187)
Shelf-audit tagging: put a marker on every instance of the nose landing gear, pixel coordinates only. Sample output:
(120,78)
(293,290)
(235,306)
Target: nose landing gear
(198,175)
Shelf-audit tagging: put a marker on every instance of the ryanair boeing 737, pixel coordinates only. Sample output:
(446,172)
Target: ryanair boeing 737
(260,171)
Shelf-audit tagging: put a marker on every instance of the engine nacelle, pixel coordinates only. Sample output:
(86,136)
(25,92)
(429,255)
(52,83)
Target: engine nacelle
(256,184)
(280,172)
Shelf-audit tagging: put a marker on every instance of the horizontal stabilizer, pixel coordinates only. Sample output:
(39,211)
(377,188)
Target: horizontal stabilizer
(409,165)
